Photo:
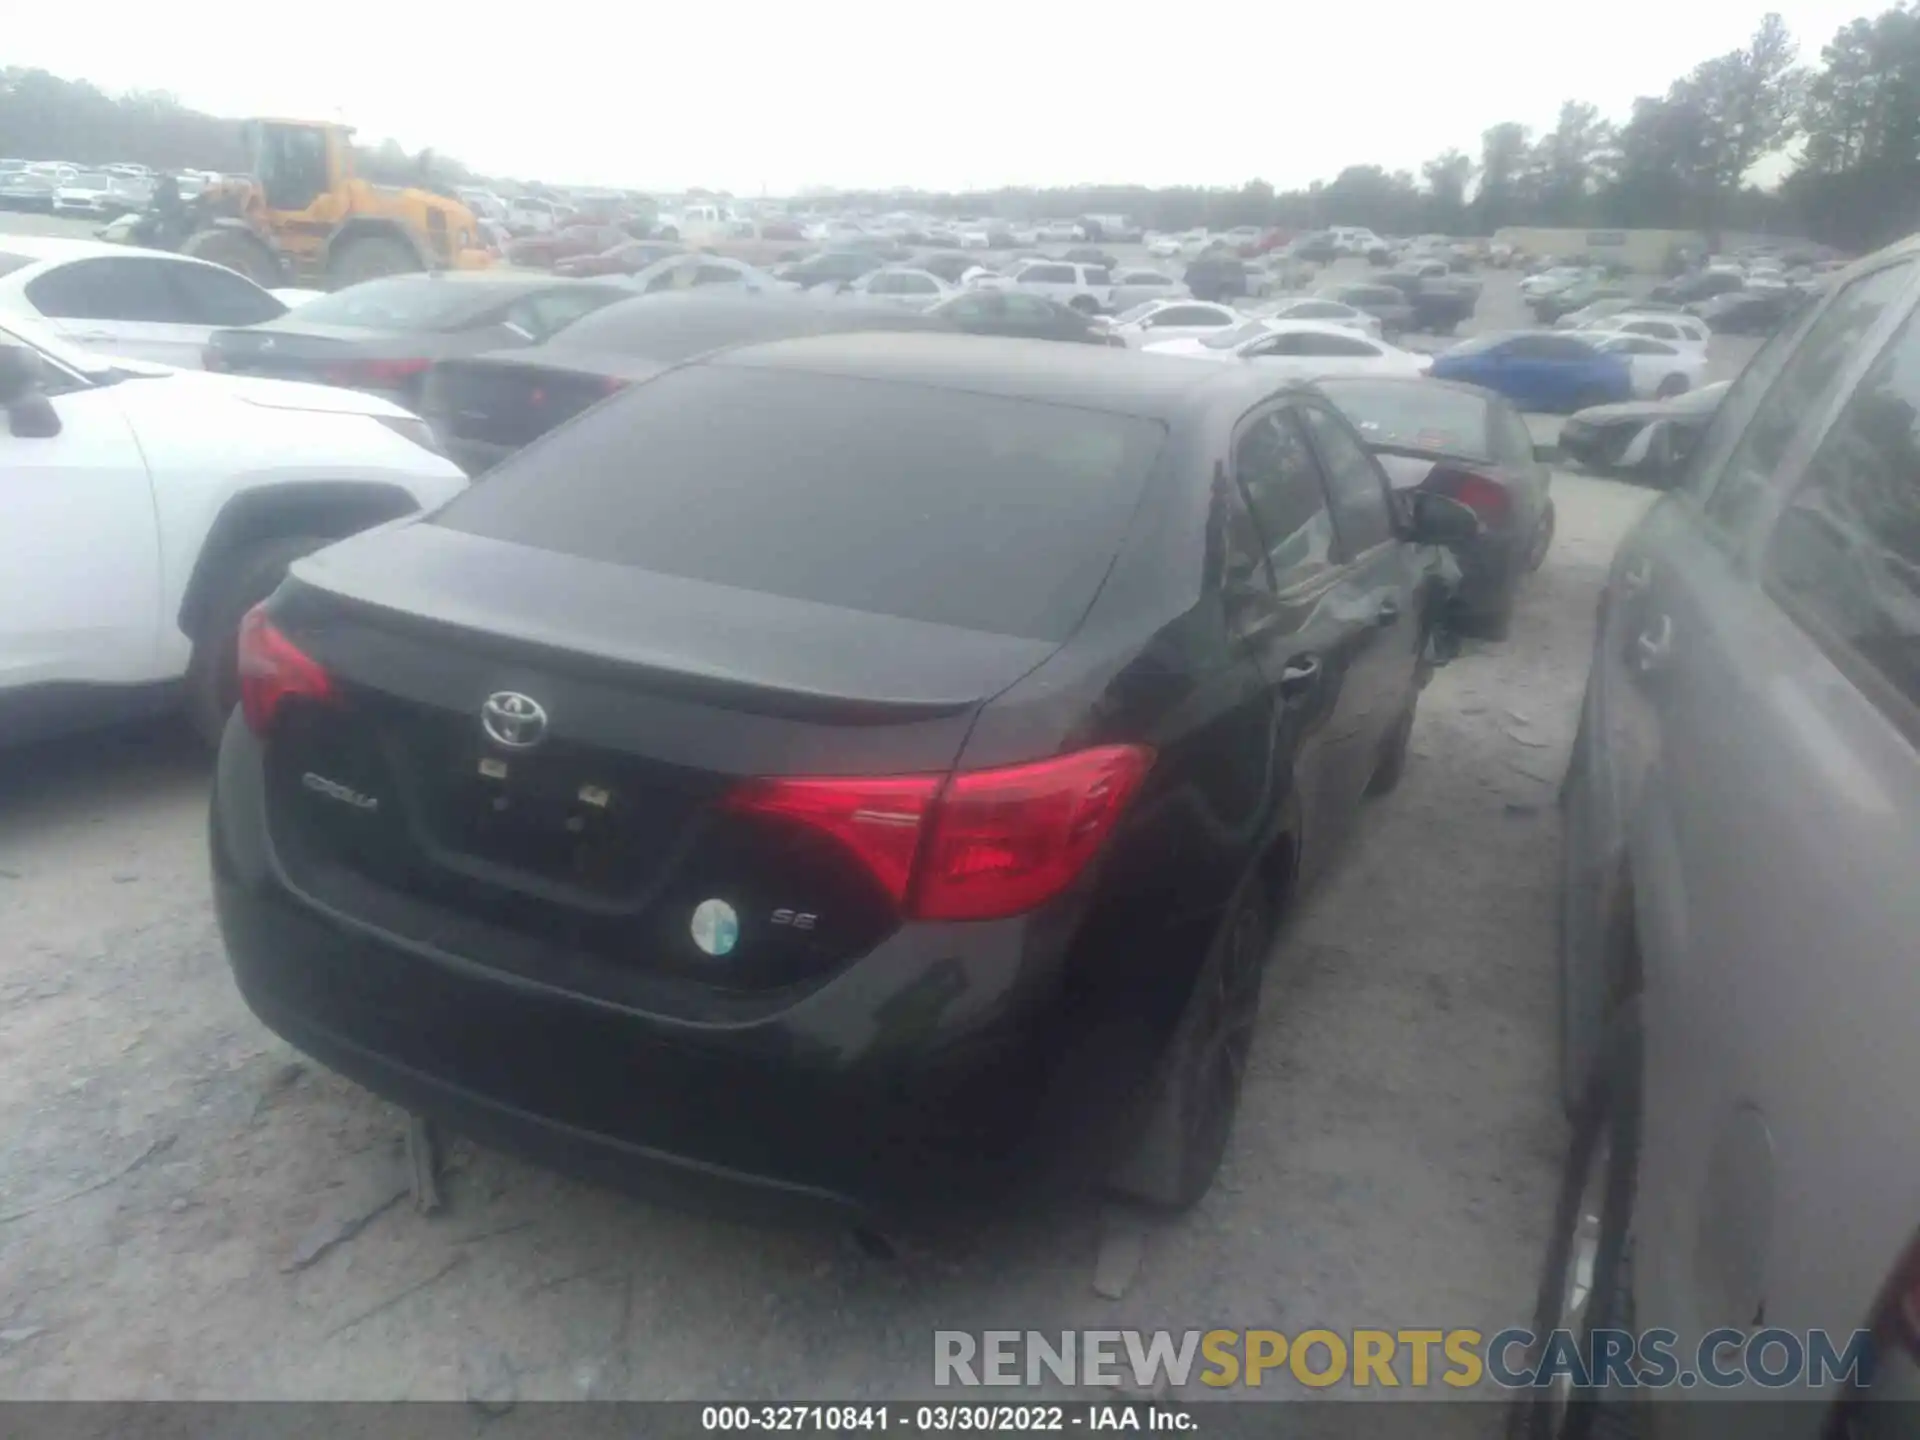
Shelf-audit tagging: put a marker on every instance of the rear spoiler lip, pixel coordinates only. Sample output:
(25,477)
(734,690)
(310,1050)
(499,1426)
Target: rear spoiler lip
(988,665)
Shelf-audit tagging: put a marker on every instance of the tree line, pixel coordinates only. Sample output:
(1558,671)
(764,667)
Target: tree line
(1680,160)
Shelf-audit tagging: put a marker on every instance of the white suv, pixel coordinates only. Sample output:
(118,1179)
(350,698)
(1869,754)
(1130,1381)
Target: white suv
(1087,288)
(144,510)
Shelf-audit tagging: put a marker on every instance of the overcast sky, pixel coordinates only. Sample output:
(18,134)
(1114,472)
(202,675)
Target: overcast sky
(774,97)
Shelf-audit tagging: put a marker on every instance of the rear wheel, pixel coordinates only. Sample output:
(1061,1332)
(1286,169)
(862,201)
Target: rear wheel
(1542,540)
(369,257)
(1671,386)
(239,250)
(1198,1090)
(1392,763)
(1586,1283)
(213,677)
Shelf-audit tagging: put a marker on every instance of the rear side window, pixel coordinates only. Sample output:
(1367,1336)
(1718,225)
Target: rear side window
(1357,488)
(216,296)
(978,511)
(1187,315)
(1808,379)
(1845,553)
(111,288)
(1281,479)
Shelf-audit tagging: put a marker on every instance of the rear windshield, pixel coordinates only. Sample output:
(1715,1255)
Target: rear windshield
(1417,414)
(931,504)
(407,302)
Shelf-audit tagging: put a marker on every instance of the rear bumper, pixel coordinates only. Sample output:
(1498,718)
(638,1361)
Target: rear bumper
(937,1071)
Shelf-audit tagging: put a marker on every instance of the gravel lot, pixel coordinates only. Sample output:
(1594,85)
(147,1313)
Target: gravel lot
(171,1174)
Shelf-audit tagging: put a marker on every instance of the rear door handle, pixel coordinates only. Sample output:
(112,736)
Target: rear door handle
(1653,646)
(1301,677)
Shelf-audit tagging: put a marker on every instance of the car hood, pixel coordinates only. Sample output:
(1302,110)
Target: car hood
(204,386)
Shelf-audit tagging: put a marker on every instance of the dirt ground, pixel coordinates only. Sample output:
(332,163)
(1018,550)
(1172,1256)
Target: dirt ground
(188,1210)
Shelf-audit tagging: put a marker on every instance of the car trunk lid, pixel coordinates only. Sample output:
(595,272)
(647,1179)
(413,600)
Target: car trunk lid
(595,847)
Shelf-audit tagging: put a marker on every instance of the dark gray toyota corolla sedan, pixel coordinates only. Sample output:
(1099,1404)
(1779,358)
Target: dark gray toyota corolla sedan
(846,768)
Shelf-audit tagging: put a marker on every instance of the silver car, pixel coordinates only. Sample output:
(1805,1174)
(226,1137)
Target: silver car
(1740,986)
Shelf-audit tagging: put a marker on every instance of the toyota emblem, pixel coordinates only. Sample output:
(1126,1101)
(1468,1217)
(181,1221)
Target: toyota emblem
(513,720)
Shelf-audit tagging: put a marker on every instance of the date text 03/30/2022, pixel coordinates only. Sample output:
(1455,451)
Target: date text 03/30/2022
(937,1418)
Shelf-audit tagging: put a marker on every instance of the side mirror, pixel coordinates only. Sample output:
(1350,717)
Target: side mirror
(1439,520)
(30,414)
(20,373)
(33,418)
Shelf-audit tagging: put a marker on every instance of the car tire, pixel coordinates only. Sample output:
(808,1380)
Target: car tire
(213,676)
(1392,763)
(1586,1282)
(1542,540)
(1196,1089)
(1596,959)
(1671,386)
(1085,304)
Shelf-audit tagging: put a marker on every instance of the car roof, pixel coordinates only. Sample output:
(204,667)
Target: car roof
(1088,377)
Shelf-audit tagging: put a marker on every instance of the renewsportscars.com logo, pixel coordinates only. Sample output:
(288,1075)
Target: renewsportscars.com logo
(1413,1359)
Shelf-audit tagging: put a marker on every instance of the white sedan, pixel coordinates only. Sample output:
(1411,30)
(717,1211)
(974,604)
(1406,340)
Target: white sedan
(1155,321)
(120,300)
(1302,349)
(1317,307)
(1661,369)
(1133,287)
(902,285)
(1677,329)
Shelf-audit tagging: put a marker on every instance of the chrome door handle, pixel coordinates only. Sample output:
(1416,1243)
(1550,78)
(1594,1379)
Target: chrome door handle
(1300,677)
(1636,579)
(1653,646)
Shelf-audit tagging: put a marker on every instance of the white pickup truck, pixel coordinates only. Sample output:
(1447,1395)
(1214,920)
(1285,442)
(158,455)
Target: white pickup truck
(144,510)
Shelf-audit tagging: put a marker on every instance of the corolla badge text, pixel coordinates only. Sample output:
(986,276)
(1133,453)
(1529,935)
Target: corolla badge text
(334,790)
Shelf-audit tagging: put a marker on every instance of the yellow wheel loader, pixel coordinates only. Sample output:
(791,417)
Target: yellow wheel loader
(303,218)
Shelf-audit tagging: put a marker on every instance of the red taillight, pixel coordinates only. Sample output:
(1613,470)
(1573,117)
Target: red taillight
(878,820)
(982,845)
(1486,498)
(1004,841)
(376,374)
(273,670)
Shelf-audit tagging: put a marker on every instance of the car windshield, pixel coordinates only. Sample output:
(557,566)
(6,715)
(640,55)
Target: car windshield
(932,504)
(1236,335)
(1416,414)
(406,302)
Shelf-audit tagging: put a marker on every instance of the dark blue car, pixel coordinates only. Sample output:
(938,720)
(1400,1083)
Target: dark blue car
(1539,370)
